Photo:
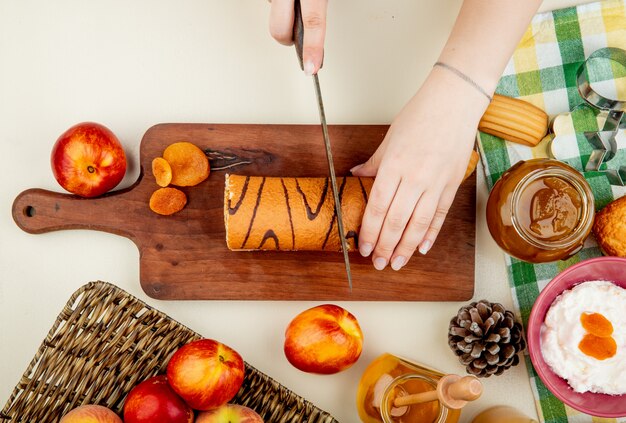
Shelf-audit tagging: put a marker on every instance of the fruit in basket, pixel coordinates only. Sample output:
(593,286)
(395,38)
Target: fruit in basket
(90,413)
(206,373)
(325,339)
(153,400)
(88,160)
(231,413)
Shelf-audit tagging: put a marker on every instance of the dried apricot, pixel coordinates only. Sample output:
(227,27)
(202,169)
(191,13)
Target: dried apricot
(162,171)
(167,201)
(598,347)
(596,324)
(190,165)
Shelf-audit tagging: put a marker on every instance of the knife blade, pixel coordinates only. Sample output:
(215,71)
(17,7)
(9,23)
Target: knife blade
(298,38)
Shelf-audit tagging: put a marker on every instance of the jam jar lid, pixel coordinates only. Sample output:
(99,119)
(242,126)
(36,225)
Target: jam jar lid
(566,226)
(540,210)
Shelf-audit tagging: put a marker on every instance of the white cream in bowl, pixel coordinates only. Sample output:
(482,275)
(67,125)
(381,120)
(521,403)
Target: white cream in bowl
(562,332)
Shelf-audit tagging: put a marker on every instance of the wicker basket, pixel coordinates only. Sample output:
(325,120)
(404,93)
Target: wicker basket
(104,342)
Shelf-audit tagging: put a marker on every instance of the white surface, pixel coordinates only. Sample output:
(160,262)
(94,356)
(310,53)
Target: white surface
(130,65)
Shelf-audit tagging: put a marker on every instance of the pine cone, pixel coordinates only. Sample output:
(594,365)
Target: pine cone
(486,338)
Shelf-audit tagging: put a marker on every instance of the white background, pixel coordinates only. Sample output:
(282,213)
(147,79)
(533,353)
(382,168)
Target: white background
(132,64)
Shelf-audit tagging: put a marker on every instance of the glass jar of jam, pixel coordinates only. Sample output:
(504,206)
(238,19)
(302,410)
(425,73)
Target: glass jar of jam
(388,377)
(540,210)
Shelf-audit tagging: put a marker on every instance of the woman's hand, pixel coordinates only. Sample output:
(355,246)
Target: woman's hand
(314,23)
(418,169)
(422,160)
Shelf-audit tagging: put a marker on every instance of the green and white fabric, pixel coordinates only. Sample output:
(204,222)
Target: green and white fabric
(543,72)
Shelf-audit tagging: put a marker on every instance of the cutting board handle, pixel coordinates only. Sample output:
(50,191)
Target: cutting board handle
(38,211)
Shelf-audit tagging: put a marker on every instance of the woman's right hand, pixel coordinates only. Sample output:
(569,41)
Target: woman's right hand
(314,22)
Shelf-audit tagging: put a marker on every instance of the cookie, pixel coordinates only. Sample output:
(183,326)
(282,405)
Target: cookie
(609,228)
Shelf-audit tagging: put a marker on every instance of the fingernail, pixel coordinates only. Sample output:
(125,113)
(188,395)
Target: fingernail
(308,68)
(357,167)
(425,247)
(398,262)
(380,263)
(366,249)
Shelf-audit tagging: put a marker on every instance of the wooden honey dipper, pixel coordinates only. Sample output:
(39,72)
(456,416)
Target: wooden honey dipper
(453,391)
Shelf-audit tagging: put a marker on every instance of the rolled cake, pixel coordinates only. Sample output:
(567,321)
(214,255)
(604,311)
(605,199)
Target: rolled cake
(289,214)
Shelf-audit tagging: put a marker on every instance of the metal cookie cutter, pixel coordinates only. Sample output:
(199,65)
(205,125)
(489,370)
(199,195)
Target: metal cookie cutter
(603,142)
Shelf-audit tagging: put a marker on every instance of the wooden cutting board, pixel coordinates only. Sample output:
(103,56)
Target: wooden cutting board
(184,256)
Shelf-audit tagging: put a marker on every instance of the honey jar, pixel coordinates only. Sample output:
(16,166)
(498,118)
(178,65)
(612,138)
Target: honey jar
(540,210)
(502,414)
(390,382)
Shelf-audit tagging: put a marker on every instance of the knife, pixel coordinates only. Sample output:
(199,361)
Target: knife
(298,38)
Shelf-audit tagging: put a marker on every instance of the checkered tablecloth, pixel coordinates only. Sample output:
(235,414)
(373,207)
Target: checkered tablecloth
(543,72)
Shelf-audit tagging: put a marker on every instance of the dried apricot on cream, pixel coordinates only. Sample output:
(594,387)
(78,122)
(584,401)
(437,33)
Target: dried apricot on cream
(162,171)
(598,342)
(596,324)
(189,164)
(598,347)
(167,201)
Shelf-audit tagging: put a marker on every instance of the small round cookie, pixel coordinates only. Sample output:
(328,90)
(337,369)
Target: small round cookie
(609,228)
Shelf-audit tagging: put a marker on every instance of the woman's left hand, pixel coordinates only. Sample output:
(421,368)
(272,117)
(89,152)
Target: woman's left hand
(418,169)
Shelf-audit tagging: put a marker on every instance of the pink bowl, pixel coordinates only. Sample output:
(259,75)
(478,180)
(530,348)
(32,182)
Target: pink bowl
(602,268)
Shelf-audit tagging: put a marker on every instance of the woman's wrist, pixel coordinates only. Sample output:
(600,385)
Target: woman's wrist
(460,96)
(465,78)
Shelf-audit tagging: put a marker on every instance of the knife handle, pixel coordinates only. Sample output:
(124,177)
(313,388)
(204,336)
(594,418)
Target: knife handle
(298,31)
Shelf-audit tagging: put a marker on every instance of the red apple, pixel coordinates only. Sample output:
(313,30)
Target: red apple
(205,373)
(325,339)
(88,160)
(153,400)
(231,413)
(90,413)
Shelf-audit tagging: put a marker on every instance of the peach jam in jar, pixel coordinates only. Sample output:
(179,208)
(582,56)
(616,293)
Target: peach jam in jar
(540,210)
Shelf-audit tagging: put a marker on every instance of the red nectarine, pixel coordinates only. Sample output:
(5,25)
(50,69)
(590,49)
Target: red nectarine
(90,413)
(231,413)
(325,339)
(206,373)
(88,160)
(153,400)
